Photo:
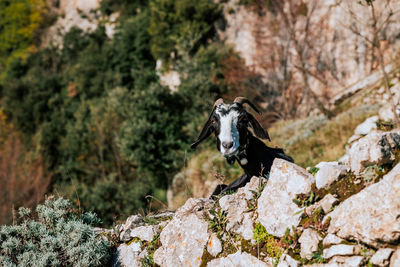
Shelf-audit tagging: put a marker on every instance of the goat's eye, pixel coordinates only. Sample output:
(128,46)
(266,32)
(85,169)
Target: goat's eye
(213,121)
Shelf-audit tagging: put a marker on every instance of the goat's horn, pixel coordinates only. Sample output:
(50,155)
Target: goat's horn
(243,100)
(218,102)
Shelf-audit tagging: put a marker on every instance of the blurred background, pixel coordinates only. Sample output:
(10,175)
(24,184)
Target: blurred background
(100,99)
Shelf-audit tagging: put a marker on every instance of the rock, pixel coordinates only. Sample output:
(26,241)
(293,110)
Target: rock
(328,173)
(395,259)
(131,223)
(327,203)
(239,259)
(185,236)
(309,240)
(341,261)
(128,255)
(372,215)
(344,160)
(386,113)
(214,245)
(146,233)
(287,261)
(339,250)
(367,126)
(376,148)
(276,210)
(331,239)
(240,221)
(381,257)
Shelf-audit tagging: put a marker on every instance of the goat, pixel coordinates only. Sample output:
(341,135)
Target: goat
(230,124)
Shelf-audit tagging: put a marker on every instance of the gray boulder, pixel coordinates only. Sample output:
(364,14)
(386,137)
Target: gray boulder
(367,126)
(185,236)
(328,173)
(382,257)
(276,210)
(240,221)
(372,215)
(239,259)
(128,256)
(376,148)
(309,240)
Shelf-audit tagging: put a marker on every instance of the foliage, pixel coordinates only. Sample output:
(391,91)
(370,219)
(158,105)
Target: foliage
(181,25)
(23,176)
(59,237)
(262,237)
(217,221)
(19,21)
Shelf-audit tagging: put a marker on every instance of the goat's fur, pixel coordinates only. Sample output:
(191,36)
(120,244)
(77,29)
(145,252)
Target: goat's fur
(230,124)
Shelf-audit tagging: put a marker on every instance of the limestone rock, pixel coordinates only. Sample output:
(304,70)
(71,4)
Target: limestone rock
(287,261)
(381,257)
(395,259)
(386,113)
(185,236)
(339,250)
(375,148)
(128,256)
(309,240)
(372,215)
(236,205)
(328,173)
(214,245)
(146,233)
(131,223)
(276,210)
(367,126)
(331,239)
(340,261)
(327,202)
(239,259)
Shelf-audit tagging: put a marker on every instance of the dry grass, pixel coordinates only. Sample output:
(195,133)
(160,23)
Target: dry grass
(315,139)
(23,180)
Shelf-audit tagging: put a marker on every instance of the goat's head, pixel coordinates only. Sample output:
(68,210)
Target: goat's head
(231,124)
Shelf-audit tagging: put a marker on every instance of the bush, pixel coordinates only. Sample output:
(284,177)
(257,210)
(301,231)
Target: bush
(184,23)
(59,237)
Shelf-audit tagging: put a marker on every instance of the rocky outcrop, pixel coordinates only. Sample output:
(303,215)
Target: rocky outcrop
(372,215)
(185,236)
(328,173)
(276,209)
(267,220)
(376,148)
(238,259)
(240,219)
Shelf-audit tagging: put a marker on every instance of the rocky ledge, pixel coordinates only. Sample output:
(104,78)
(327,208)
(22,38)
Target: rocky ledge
(344,213)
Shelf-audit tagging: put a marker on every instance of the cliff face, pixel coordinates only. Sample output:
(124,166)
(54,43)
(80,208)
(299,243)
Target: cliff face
(83,14)
(331,36)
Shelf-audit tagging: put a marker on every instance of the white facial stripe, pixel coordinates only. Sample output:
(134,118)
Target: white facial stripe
(228,130)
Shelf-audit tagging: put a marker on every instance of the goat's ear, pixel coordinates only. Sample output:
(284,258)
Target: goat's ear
(257,129)
(207,130)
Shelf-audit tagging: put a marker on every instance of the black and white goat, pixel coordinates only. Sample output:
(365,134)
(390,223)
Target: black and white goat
(231,124)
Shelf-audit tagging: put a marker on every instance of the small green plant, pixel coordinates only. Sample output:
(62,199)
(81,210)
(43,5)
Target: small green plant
(59,237)
(151,247)
(305,200)
(313,170)
(252,204)
(217,221)
(267,241)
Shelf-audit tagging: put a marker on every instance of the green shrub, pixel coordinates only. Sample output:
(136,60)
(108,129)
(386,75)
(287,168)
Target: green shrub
(181,25)
(58,237)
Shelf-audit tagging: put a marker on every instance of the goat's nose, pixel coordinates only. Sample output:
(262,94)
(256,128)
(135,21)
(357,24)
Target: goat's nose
(227,145)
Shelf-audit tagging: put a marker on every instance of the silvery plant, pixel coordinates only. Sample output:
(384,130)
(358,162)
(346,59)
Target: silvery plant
(55,236)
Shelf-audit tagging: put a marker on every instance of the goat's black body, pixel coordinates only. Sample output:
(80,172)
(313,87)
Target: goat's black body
(260,158)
